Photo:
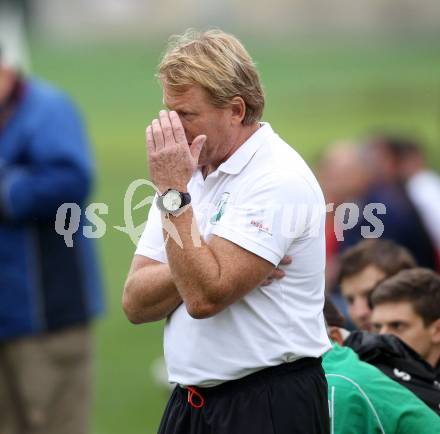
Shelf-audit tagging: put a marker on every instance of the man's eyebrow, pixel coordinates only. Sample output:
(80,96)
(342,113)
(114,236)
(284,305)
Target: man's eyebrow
(176,108)
(368,289)
(398,321)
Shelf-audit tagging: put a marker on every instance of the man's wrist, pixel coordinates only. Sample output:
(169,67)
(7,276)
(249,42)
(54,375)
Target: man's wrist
(162,190)
(172,201)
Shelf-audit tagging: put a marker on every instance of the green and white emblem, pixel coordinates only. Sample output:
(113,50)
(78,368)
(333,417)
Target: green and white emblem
(220,208)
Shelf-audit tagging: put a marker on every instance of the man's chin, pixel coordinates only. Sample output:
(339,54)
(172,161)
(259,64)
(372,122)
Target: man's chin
(368,327)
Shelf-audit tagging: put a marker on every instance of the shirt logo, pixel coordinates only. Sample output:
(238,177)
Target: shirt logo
(220,208)
(261,226)
(402,375)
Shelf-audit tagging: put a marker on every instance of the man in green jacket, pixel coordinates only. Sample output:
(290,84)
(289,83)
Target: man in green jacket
(363,400)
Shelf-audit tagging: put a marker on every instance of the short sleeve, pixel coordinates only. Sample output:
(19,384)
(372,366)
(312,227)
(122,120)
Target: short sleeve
(151,243)
(270,213)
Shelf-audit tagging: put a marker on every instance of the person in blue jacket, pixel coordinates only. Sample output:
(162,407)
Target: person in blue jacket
(49,292)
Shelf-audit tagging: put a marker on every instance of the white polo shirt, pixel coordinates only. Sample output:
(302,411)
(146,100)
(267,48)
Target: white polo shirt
(265,199)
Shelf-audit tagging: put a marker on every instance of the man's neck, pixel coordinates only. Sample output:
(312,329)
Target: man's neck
(244,134)
(433,357)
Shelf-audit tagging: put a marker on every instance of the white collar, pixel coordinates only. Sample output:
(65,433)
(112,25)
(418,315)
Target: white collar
(238,160)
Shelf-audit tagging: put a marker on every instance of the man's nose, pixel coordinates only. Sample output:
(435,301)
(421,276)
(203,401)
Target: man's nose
(383,330)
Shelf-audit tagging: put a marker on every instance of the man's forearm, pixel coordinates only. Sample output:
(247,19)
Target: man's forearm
(150,294)
(194,267)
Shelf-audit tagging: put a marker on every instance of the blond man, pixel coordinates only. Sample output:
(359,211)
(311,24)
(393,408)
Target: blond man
(233,200)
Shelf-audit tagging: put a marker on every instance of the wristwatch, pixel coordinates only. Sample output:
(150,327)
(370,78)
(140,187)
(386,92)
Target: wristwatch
(172,201)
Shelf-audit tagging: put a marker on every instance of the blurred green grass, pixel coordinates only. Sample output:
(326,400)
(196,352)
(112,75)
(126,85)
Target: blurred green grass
(317,92)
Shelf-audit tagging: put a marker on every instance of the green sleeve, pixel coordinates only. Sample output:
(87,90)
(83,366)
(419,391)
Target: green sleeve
(378,406)
(414,415)
(351,410)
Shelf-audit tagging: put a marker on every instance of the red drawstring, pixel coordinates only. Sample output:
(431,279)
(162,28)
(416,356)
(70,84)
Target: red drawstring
(191,392)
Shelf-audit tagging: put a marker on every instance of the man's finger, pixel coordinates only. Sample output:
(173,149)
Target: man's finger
(158,135)
(167,129)
(150,140)
(178,131)
(196,146)
(286,260)
(277,274)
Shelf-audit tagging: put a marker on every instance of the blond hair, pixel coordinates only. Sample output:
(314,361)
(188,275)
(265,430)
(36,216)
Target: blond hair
(217,62)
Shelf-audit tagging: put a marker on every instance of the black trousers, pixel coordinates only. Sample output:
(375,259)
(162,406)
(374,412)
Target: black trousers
(286,399)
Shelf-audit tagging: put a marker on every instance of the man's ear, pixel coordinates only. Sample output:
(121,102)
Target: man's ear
(434,329)
(238,107)
(336,335)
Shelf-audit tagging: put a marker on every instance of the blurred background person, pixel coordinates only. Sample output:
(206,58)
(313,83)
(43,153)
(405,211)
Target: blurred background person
(49,292)
(344,179)
(364,174)
(362,267)
(422,184)
(406,312)
(402,221)
(362,399)
(372,173)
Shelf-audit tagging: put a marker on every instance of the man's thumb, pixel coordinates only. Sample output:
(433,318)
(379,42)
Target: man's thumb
(197,145)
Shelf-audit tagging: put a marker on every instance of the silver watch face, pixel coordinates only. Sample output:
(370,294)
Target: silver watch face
(172,201)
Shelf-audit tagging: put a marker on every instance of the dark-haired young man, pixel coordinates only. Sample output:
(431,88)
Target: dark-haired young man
(406,310)
(359,393)
(362,267)
(407,305)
